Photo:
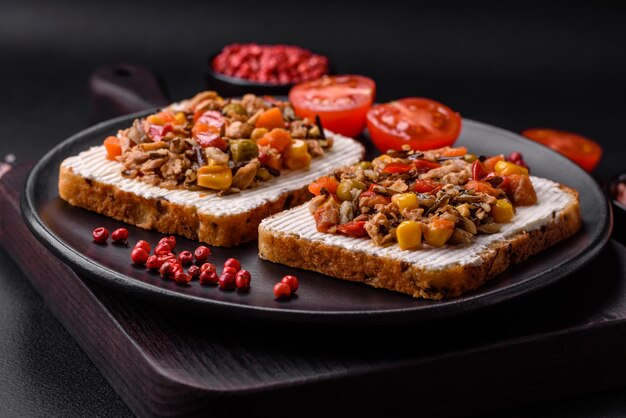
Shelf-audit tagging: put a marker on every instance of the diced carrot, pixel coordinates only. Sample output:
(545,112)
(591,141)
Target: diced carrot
(454,152)
(113,147)
(270,119)
(279,139)
(328,183)
(490,163)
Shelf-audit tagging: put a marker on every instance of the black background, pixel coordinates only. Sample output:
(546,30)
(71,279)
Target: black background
(551,64)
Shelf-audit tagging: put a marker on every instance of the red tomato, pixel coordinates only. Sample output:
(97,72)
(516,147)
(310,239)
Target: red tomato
(424,166)
(583,151)
(353,229)
(207,130)
(397,168)
(426,186)
(341,102)
(421,123)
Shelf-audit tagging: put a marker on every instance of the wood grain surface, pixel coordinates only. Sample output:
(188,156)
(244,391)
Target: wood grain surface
(566,340)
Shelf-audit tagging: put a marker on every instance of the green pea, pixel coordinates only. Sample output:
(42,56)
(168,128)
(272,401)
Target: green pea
(243,150)
(346,186)
(470,158)
(363,164)
(234,109)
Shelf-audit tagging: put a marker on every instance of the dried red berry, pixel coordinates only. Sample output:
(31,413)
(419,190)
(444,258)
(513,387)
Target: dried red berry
(100,235)
(208,266)
(165,270)
(162,248)
(232,262)
(181,277)
(185,258)
(208,277)
(139,255)
(171,241)
(153,262)
(193,271)
(143,244)
(282,290)
(242,280)
(292,282)
(202,253)
(227,281)
(229,270)
(120,235)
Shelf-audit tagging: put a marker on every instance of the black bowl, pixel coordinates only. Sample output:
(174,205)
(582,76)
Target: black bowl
(619,209)
(228,86)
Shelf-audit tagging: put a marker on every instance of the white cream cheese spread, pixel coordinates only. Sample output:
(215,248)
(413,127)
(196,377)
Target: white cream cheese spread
(92,164)
(551,201)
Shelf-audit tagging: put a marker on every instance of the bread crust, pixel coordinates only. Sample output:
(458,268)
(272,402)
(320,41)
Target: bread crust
(400,276)
(167,217)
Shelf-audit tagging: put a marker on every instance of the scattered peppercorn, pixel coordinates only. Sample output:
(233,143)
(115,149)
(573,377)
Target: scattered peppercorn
(100,235)
(208,277)
(208,266)
(229,270)
(242,280)
(120,235)
(171,241)
(292,282)
(227,281)
(165,270)
(282,290)
(139,255)
(144,244)
(193,271)
(153,262)
(202,253)
(162,248)
(181,277)
(185,258)
(233,262)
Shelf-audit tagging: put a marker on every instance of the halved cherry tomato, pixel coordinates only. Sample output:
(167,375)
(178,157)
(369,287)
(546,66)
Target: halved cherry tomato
(426,186)
(421,123)
(423,166)
(113,147)
(157,132)
(208,128)
(397,168)
(583,151)
(341,101)
(490,163)
(328,183)
(353,229)
(277,138)
(478,170)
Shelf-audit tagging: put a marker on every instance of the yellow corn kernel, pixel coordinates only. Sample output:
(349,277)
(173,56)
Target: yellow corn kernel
(258,133)
(298,163)
(409,235)
(438,232)
(215,177)
(506,168)
(464,210)
(296,157)
(383,159)
(405,201)
(502,211)
(180,118)
(155,120)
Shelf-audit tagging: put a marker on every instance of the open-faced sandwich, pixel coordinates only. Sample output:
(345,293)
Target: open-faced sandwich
(431,224)
(207,168)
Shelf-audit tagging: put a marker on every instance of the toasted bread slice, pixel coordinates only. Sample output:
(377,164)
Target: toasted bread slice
(291,238)
(92,182)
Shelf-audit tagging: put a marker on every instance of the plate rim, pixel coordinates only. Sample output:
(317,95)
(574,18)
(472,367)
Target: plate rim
(103,275)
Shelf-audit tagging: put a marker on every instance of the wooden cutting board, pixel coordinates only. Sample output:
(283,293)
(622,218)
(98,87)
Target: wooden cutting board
(567,340)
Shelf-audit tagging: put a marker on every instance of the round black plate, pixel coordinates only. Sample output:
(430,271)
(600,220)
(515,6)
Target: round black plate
(66,231)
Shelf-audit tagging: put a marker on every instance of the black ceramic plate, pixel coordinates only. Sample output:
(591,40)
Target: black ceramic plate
(66,231)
